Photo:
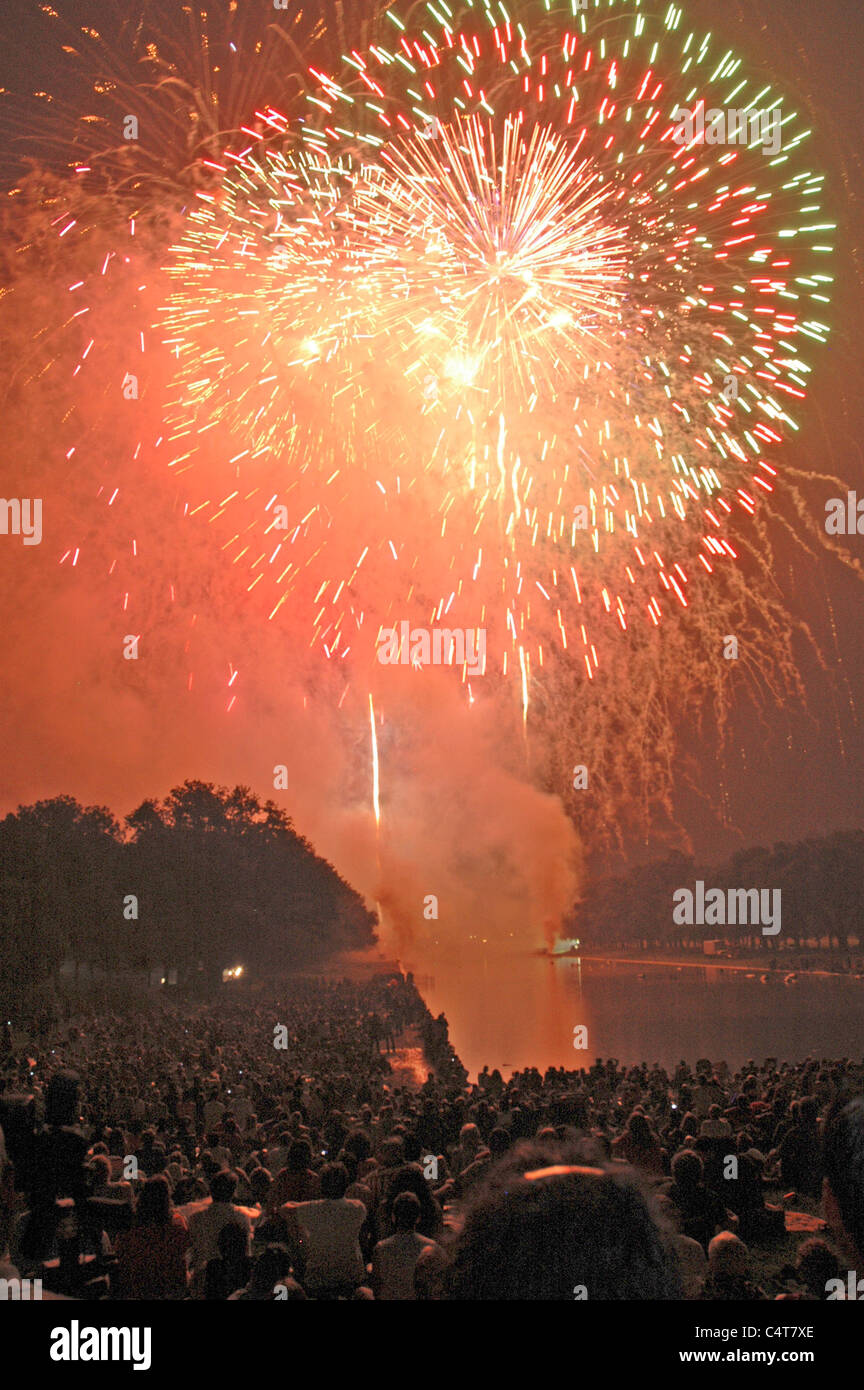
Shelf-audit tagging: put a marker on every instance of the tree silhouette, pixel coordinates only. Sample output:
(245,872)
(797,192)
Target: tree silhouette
(218,877)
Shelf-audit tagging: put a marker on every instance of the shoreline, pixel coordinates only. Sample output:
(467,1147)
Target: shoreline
(706,962)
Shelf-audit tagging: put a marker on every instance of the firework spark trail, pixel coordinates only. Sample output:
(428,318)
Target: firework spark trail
(376,805)
(193,75)
(376,802)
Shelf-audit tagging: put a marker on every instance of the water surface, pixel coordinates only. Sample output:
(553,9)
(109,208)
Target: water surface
(516,1010)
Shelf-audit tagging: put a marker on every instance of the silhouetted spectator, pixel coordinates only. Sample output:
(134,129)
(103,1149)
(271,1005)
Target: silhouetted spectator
(552,1231)
(843,1196)
(394,1260)
(700,1211)
(151,1257)
(801,1151)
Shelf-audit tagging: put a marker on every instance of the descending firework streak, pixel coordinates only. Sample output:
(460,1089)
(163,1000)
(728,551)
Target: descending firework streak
(498,351)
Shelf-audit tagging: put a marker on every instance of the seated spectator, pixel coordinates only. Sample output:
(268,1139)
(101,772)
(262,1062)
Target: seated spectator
(815,1267)
(693,1264)
(430,1274)
(843,1192)
(232,1141)
(541,1230)
(499,1143)
(744,1195)
(260,1184)
(469,1146)
(151,1257)
(219,1151)
(296,1181)
(206,1223)
(360,1190)
(213,1110)
(639,1146)
(329,1235)
(189,1191)
(700,1211)
(715,1127)
(176,1167)
(692,1260)
(359,1144)
(270,1281)
(377,1177)
(146,1152)
(729,1271)
(277,1154)
(233,1268)
(801,1150)
(705,1094)
(394,1259)
(409,1178)
(104,1186)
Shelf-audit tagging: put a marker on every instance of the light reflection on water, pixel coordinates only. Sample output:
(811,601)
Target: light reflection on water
(518,1010)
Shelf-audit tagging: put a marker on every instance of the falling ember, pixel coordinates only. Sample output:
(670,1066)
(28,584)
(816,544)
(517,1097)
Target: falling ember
(375,803)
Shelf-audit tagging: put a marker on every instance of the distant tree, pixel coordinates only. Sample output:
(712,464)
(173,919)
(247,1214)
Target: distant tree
(821,882)
(58,866)
(215,875)
(222,876)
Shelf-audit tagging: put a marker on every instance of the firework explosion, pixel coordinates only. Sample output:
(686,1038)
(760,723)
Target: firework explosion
(497,347)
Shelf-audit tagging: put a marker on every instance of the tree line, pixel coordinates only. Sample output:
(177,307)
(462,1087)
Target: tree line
(822,882)
(206,877)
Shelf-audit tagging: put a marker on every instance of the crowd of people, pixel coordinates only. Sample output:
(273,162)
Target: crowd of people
(264,1149)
